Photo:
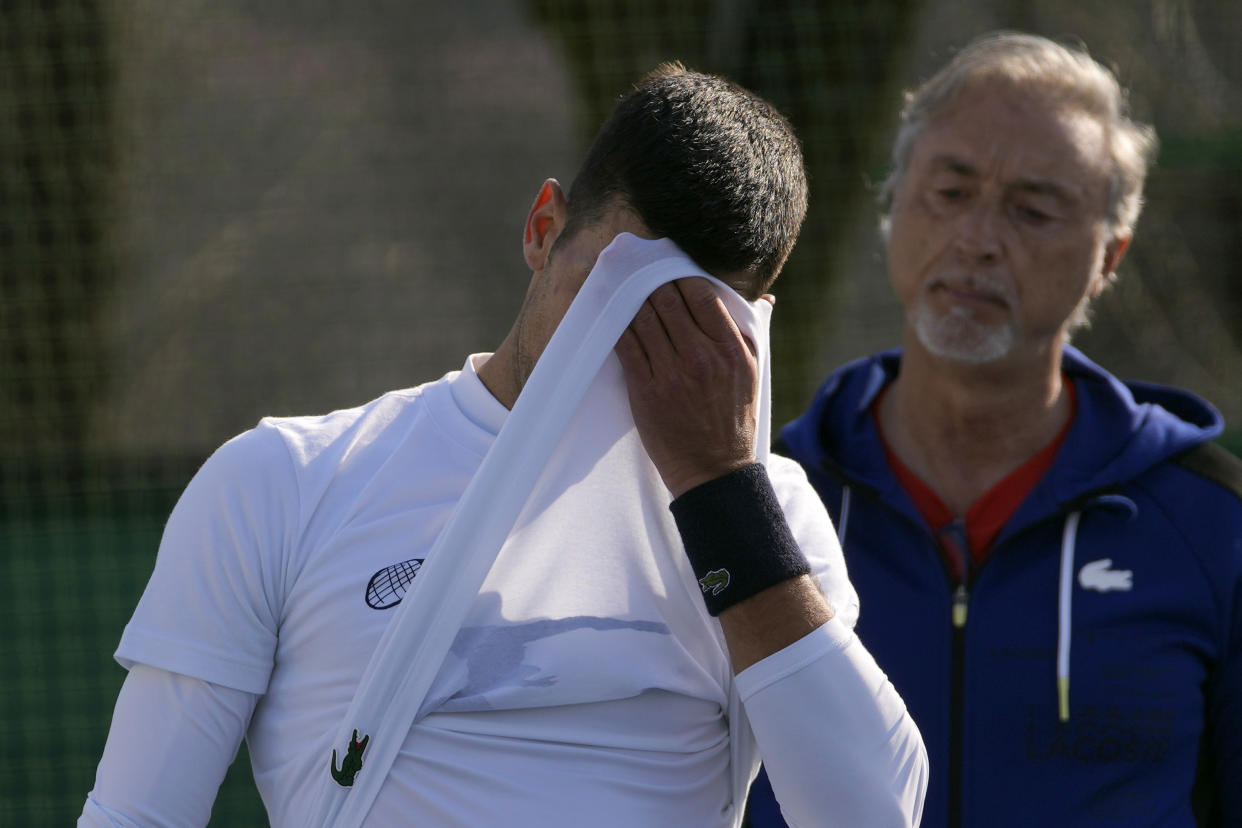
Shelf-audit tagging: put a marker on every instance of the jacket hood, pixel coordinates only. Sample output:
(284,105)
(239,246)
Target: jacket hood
(1120,429)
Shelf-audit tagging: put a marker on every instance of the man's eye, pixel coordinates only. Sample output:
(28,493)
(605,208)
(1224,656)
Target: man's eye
(1033,215)
(951,193)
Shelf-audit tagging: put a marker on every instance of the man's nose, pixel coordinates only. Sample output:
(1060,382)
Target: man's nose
(978,232)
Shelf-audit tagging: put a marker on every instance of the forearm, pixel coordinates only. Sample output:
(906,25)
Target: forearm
(839,746)
(773,619)
(172,740)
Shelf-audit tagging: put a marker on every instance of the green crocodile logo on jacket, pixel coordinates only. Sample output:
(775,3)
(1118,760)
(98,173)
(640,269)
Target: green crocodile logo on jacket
(352,762)
(714,581)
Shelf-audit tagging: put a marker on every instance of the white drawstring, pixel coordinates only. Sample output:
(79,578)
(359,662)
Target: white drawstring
(845,515)
(1064,613)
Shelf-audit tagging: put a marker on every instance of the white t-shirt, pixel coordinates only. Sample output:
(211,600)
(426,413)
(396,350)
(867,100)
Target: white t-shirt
(588,685)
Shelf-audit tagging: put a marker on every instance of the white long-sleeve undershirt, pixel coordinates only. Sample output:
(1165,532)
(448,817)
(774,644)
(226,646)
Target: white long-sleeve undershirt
(836,739)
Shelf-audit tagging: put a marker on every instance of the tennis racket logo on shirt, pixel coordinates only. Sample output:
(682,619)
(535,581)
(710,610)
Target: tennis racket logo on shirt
(387,587)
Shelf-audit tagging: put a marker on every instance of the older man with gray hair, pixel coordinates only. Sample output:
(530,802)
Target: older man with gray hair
(1049,560)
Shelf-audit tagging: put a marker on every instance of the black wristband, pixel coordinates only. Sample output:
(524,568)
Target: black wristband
(736,537)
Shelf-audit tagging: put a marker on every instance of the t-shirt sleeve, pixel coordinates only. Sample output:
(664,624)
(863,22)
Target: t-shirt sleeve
(212,607)
(816,536)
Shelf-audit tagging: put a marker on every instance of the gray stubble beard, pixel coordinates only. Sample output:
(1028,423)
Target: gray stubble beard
(958,336)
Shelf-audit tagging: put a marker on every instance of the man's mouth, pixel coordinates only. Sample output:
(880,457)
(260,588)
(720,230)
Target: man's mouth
(972,292)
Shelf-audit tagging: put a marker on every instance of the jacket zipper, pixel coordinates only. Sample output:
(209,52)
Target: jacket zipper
(957,680)
(957,677)
(957,618)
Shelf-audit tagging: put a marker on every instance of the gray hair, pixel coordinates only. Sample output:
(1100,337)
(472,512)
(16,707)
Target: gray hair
(1069,74)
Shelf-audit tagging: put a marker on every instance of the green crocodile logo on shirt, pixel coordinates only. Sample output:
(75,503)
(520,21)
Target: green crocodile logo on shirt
(352,762)
(714,581)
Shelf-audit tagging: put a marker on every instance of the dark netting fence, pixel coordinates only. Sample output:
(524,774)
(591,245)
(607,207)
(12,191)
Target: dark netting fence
(214,211)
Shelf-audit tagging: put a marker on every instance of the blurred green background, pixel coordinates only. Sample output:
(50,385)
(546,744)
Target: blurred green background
(215,211)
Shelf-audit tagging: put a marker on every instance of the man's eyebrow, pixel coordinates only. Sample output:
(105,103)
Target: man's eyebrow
(1037,186)
(1046,186)
(954,164)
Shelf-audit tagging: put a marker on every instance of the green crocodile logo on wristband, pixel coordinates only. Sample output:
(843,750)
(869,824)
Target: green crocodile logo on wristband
(351,764)
(714,581)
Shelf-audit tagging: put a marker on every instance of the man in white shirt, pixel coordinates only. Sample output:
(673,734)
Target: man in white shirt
(620,665)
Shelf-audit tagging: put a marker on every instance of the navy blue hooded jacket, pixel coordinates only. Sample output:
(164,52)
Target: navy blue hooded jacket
(1123,566)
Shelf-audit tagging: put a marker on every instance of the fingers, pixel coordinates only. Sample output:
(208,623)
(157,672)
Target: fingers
(681,317)
(690,306)
(635,364)
(710,315)
(656,321)
(704,306)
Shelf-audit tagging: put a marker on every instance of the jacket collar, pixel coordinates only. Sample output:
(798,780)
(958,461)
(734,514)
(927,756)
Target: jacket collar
(1119,431)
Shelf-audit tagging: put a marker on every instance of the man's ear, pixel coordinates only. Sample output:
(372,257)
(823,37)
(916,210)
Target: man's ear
(1113,255)
(544,223)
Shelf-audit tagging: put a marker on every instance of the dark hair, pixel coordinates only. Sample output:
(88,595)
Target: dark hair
(705,163)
